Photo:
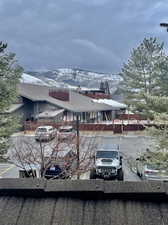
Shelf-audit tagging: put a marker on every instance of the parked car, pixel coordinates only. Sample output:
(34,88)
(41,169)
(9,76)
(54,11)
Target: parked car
(151,171)
(62,166)
(66,133)
(53,171)
(29,171)
(45,133)
(108,164)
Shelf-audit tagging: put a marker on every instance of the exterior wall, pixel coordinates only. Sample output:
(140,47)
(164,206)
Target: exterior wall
(91,117)
(32,109)
(84,117)
(28,109)
(113,114)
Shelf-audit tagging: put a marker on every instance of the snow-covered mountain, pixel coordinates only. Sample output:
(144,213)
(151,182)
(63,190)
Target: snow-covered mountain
(71,78)
(30,79)
(26,78)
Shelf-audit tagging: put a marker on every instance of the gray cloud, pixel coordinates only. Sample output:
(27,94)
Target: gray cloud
(92,2)
(91,34)
(93,47)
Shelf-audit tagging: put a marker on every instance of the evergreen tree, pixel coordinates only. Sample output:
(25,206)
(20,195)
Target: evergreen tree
(145,85)
(159,108)
(145,74)
(158,155)
(9,78)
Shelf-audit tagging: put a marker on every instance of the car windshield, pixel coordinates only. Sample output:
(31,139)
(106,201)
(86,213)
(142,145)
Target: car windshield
(64,130)
(42,129)
(107,154)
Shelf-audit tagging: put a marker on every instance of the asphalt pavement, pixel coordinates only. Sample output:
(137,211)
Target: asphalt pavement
(8,170)
(130,146)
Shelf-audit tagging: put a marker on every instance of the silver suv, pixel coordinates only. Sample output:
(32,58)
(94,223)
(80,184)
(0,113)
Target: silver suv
(66,133)
(108,164)
(45,133)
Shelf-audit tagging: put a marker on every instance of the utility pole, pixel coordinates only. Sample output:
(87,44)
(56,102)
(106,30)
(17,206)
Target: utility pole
(77,145)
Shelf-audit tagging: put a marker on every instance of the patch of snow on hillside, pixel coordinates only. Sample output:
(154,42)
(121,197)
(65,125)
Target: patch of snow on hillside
(26,78)
(54,83)
(65,70)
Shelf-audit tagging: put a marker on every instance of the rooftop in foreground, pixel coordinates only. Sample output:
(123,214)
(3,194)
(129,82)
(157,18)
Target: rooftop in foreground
(83,202)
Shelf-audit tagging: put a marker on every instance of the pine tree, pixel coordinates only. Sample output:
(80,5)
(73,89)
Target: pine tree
(145,74)
(159,109)
(9,78)
(145,82)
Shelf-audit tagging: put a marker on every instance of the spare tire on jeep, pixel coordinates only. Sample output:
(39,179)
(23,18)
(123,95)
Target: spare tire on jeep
(93,174)
(120,175)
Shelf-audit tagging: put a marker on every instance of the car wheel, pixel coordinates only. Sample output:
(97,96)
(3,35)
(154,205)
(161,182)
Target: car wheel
(93,174)
(120,175)
(138,173)
(141,175)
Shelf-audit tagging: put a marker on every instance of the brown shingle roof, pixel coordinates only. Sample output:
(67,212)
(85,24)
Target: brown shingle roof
(77,103)
(94,202)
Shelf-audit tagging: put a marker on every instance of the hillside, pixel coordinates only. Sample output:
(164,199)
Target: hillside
(26,78)
(71,78)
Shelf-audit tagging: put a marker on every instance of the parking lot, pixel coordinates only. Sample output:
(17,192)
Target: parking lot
(130,147)
(8,170)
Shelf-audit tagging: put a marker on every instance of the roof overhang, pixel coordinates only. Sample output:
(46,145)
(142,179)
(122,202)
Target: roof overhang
(14,107)
(50,114)
(108,189)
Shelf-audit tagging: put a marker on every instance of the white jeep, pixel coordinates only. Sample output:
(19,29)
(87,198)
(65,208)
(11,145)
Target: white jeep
(107,164)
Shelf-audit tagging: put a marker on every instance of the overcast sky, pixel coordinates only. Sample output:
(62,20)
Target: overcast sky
(97,35)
